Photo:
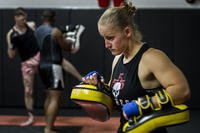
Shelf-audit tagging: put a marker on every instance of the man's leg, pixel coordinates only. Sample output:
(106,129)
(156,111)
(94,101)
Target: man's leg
(68,67)
(28,97)
(52,106)
(46,103)
(29,69)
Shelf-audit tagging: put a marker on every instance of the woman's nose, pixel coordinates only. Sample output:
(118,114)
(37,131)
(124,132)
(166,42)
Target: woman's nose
(107,44)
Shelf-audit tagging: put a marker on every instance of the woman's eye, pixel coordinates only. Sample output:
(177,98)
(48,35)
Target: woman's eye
(109,37)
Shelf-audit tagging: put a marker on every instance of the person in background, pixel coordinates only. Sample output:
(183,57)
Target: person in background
(51,42)
(21,39)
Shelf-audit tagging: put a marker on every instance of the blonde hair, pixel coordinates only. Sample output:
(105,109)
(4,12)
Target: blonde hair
(120,17)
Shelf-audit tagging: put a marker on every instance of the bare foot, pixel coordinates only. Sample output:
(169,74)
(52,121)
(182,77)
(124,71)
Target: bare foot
(28,122)
(48,130)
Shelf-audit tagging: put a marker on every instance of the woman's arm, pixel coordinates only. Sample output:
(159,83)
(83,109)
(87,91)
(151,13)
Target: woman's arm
(168,74)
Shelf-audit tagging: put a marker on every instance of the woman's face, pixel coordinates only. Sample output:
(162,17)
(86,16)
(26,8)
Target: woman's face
(21,20)
(115,40)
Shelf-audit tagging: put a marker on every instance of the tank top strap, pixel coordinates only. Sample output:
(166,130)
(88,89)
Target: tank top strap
(140,52)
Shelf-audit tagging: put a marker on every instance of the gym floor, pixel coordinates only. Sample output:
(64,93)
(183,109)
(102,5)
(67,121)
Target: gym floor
(75,121)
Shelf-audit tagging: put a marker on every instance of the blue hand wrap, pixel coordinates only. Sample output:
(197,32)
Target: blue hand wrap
(131,109)
(91,73)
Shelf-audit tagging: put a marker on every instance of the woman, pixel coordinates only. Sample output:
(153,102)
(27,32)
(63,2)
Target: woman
(137,69)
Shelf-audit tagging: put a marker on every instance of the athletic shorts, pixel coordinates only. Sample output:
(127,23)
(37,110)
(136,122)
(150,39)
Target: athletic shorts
(29,68)
(52,76)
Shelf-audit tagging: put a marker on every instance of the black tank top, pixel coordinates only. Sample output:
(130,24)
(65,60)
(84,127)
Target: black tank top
(50,51)
(125,83)
(26,44)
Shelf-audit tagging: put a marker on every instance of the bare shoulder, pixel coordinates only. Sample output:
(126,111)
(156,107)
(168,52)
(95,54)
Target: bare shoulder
(31,24)
(116,59)
(155,59)
(153,55)
(8,35)
(56,32)
(9,32)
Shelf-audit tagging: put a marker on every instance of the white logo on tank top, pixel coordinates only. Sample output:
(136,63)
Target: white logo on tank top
(116,89)
(118,84)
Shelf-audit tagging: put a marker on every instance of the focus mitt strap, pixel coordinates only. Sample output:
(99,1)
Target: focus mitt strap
(151,118)
(137,108)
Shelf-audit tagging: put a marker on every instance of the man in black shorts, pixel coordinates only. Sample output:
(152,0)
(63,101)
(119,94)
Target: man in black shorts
(51,42)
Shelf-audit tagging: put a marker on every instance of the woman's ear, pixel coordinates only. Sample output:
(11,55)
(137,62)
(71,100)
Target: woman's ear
(128,32)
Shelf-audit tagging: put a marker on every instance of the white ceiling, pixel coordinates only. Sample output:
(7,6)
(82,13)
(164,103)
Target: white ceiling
(93,4)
